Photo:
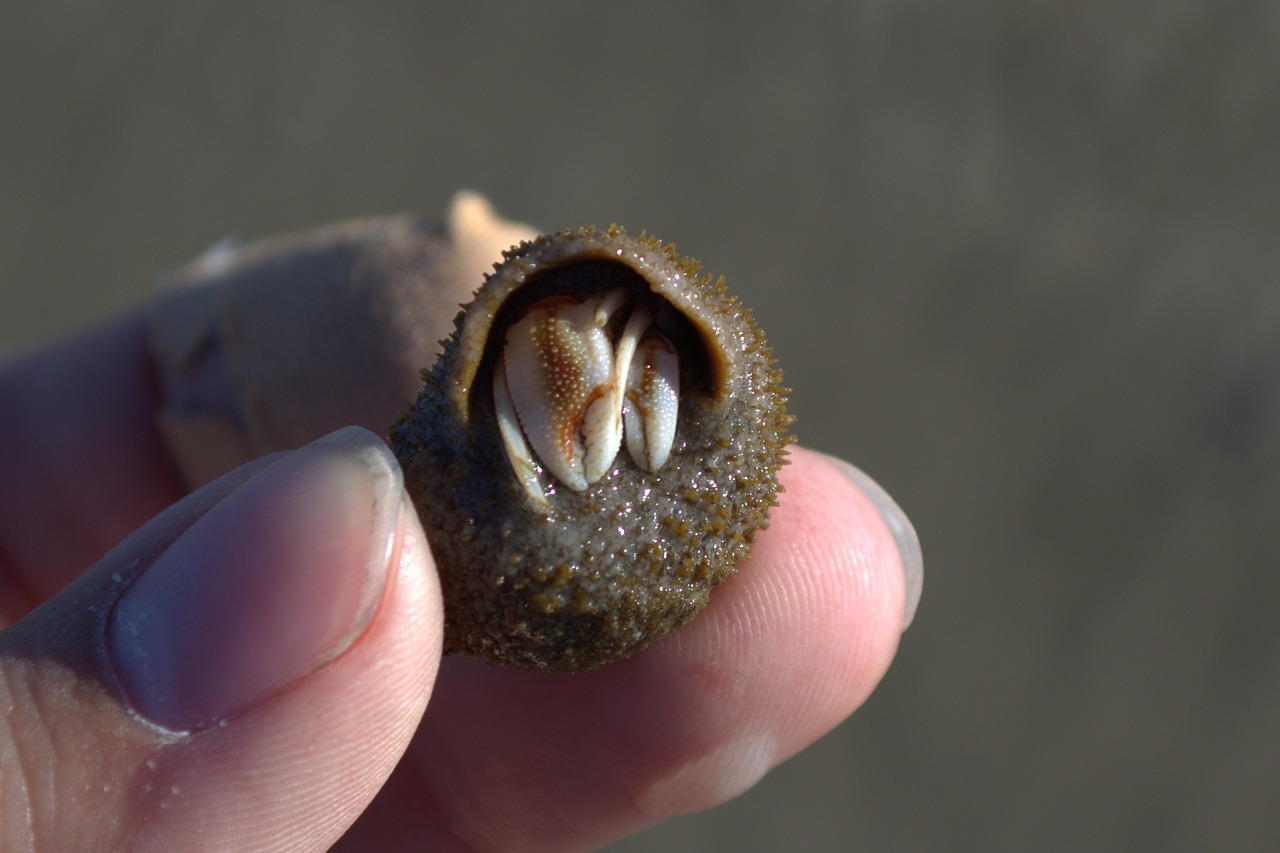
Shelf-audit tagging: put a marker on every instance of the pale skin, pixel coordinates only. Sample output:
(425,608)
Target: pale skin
(385,746)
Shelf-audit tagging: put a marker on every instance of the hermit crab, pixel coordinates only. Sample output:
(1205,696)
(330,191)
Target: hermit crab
(594,450)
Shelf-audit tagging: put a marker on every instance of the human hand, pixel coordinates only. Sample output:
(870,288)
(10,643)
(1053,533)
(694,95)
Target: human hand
(250,668)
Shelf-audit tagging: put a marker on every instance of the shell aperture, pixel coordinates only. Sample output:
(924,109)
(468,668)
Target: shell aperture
(557,550)
(570,387)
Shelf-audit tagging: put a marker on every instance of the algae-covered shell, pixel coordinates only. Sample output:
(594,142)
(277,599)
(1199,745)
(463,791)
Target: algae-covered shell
(594,450)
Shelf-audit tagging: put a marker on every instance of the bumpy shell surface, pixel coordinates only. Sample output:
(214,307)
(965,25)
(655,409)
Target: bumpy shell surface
(586,577)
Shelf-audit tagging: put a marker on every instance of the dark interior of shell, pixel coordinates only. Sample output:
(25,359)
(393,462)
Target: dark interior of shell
(545,567)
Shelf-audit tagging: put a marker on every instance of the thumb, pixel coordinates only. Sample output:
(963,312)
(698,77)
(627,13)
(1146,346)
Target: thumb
(243,672)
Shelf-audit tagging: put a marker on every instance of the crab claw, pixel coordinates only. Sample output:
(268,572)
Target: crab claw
(652,402)
(560,372)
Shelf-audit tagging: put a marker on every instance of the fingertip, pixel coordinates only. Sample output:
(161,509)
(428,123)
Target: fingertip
(296,769)
(844,505)
(789,647)
(900,528)
(230,741)
(811,621)
(273,581)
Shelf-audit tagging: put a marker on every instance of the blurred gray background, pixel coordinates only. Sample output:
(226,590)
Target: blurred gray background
(1019,260)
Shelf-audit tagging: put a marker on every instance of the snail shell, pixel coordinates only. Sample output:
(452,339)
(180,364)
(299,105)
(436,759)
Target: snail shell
(594,450)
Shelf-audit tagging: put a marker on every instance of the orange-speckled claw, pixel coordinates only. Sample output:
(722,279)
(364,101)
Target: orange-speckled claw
(560,374)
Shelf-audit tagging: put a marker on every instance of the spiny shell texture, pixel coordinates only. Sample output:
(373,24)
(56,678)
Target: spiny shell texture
(541,575)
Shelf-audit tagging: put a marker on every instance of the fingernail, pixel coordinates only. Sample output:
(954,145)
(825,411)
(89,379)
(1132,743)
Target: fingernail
(274,581)
(904,535)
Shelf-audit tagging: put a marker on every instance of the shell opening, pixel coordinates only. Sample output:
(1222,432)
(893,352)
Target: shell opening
(572,379)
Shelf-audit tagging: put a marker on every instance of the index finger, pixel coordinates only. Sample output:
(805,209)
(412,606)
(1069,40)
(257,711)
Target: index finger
(83,462)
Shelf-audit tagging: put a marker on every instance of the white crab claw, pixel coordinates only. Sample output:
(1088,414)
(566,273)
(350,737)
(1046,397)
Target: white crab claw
(560,371)
(652,402)
(524,465)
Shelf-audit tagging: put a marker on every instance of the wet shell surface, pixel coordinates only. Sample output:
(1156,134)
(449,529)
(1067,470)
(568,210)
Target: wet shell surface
(594,450)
